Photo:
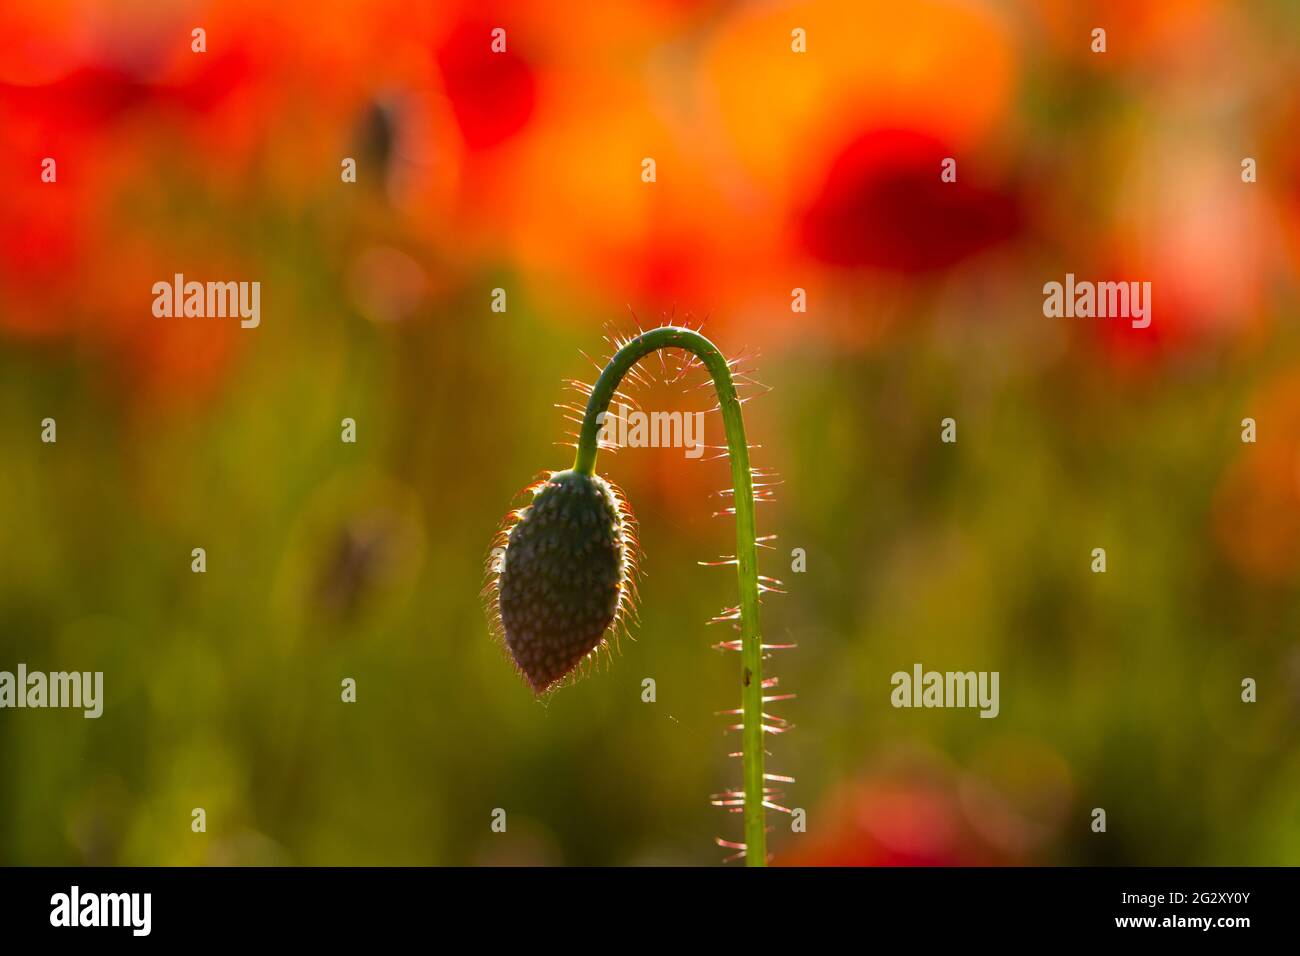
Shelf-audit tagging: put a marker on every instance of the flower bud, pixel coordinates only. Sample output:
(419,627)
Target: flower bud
(564,577)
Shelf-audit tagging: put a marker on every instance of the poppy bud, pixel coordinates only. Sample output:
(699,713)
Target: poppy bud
(564,577)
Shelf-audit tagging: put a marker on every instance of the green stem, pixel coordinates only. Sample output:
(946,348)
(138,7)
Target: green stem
(751,680)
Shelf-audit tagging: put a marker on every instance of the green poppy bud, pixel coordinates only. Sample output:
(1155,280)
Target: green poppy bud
(565,575)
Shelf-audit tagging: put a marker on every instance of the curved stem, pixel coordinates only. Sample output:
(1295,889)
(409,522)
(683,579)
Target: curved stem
(751,678)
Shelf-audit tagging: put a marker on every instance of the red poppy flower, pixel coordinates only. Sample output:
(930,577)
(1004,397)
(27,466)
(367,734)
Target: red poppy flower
(884,205)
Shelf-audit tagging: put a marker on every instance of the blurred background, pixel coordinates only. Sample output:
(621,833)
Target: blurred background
(775,170)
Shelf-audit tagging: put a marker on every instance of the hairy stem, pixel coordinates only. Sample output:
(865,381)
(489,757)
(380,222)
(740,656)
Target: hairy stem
(751,679)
